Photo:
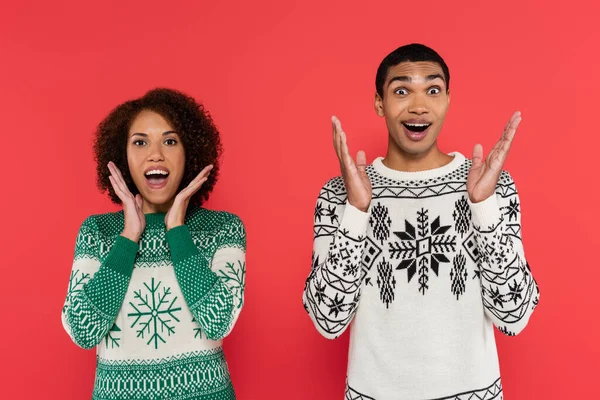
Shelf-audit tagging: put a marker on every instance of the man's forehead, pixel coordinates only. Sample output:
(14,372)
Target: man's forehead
(418,70)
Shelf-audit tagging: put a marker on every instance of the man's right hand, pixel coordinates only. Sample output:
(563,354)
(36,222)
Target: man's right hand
(354,174)
(135,220)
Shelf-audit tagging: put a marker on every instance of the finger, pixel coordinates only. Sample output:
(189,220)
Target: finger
(477,156)
(511,122)
(116,174)
(361,162)
(115,171)
(507,134)
(346,158)
(506,142)
(190,190)
(139,201)
(204,173)
(118,191)
(337,129)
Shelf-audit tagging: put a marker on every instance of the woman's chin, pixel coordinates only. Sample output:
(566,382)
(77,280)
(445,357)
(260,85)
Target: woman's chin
(158,202)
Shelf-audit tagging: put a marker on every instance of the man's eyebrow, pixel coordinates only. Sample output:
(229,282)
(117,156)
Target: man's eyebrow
(408,79)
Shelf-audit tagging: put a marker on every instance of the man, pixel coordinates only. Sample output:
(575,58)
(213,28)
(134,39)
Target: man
(421,250)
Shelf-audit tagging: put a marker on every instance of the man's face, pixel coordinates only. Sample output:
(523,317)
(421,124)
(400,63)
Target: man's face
(414,104)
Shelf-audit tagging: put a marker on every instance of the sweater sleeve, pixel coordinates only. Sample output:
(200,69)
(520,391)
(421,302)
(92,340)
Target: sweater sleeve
(96,289)
(212,287)
(509,291)
(333,287)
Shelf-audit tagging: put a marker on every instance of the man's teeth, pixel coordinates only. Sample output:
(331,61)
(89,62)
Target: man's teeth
(157,172)
(417,125)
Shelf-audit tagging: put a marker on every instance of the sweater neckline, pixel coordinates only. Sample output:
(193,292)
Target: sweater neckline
(155,219)
(418,175)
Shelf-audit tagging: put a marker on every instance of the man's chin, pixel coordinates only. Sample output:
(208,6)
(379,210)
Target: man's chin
(414,148)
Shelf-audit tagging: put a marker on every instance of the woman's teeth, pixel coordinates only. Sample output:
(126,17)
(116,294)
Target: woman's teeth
(156,172)
(157,177)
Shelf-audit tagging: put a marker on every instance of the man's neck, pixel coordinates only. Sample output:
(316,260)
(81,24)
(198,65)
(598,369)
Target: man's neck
(400,160)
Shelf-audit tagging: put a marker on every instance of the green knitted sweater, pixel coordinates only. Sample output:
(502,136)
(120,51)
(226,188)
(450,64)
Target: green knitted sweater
(157,310)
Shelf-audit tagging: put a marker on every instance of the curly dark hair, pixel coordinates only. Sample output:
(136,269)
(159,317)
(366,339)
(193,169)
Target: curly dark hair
(198,133)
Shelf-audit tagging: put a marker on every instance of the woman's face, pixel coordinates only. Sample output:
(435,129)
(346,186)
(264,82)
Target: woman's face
(156,160)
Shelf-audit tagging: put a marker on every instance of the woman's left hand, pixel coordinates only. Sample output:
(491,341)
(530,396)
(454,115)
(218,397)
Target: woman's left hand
(176,215)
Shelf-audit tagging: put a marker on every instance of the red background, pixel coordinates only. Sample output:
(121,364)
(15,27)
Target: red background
(271,74)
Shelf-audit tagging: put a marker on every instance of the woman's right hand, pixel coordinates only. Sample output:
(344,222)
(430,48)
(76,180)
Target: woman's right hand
(135,220)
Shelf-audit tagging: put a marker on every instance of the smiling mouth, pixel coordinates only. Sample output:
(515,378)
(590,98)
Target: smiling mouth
(156,178)
(416,128)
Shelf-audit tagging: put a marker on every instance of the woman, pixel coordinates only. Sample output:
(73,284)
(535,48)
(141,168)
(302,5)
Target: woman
(157,286)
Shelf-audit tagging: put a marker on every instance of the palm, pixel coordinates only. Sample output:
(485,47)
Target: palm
(358,185)
(176,214)
(135,220)
(483,175)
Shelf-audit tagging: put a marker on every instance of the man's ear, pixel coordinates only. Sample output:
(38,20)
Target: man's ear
(378,104)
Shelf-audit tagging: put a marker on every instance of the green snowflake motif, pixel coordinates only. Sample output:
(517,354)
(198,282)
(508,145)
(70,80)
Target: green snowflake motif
(110,339)
(152,313)
(234,278)
(76,282)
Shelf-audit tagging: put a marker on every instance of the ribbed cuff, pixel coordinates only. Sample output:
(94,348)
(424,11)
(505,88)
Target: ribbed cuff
(354,221)
(180,243)
(486,213)
(121,257)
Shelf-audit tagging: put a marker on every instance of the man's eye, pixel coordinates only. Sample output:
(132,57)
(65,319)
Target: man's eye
(401,92)
(433,91)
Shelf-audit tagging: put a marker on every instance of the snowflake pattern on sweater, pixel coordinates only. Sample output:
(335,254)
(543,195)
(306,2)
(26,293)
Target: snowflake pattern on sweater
(157,310)
(422,277)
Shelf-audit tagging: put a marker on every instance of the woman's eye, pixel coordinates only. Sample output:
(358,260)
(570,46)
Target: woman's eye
(170,142)
(433,91)
(401,92)
(139,143)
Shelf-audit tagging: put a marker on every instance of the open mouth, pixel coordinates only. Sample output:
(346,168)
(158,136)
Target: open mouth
(416,128)
(156,178)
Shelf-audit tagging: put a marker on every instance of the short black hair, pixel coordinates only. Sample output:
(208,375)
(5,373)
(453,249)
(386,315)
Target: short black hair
(192,122)
(409,53)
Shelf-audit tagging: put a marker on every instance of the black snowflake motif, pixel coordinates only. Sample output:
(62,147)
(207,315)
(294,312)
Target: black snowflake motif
(512,210)
(423,249)
(386,282)
(320,292)
(326,212)
(337,305)
(458,275)
(495,251)
(515,291)
(334,255)
(350,269)
(462,216)
(501,257)
(496,296)
(380,221)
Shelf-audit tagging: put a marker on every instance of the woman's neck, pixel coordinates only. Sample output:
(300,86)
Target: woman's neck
(150,208)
